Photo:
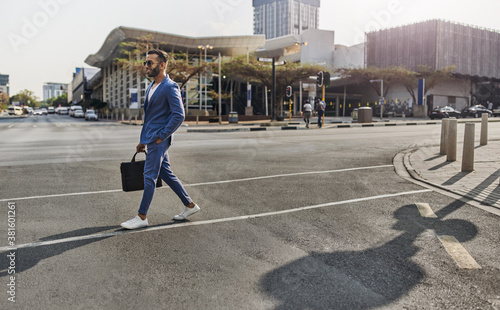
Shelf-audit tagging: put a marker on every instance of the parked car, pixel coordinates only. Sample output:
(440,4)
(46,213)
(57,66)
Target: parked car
(444,112)
(62,111)
(90,115)
(44,111)
(78,113)
(475,111)
(74,108)
(51,110)
(38,112)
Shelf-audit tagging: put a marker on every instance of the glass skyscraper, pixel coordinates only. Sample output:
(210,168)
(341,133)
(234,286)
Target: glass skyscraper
(276,18)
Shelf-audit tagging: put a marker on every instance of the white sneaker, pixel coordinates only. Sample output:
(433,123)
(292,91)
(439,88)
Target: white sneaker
(187,212)
(135,223)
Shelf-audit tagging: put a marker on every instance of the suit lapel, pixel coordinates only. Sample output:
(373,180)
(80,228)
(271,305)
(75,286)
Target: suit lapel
(146,101)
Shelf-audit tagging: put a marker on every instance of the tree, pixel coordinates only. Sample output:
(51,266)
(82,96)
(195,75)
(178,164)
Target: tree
(255,71)
(398,75)
(180,67)
(26,98)
(61,100)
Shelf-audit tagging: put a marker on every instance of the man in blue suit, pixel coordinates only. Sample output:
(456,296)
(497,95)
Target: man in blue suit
(163,115)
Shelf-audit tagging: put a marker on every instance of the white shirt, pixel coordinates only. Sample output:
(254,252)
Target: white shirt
(308,107)
(152,90)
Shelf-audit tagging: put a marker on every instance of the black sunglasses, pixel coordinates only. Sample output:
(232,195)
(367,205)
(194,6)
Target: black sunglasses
(149,63)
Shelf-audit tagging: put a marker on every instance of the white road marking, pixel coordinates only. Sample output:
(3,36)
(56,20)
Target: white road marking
(459,254)
(425,210)
(208,222)
(200,184)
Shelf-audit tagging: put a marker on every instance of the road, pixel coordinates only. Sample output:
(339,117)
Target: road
(305,219)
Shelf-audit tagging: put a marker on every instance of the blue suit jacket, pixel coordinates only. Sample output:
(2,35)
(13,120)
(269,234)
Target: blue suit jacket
(164,113)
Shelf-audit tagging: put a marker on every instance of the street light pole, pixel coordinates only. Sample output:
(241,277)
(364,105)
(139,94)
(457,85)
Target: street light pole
(273,101)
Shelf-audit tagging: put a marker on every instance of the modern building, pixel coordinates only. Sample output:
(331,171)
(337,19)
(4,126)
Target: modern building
(54,90)
(81,92)
(276,18)
(473,52)
(117,82)
(4,84)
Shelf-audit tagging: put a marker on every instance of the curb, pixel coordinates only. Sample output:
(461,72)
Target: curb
(412,174)
(245,129)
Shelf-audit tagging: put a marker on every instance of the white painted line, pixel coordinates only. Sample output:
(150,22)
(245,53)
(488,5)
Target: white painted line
(459,254)
(425,210)
(10,126)
(200,184)
(207,222)
(289,175)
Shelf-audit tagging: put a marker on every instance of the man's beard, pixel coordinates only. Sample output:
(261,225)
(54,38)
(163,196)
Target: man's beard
(154,72)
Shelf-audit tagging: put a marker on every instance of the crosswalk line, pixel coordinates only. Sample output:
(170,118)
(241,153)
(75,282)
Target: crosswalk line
(459,254)
(425,210)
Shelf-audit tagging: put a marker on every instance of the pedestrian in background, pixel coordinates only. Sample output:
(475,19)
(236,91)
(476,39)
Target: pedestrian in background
(307,109)
(163,115)
(320,108)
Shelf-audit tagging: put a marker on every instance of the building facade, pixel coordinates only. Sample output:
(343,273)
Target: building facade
(4,84)
(117,82)
(81,92)
(54,90)
(473,52)
(277,18)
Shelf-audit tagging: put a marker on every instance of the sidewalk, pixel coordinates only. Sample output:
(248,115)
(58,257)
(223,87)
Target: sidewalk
(482,185)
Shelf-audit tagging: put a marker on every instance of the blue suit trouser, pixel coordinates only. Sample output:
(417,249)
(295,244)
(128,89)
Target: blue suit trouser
(157,165)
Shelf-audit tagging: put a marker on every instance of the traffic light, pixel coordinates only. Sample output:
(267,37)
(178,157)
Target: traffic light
(319,79)
(289,91)
(326,78)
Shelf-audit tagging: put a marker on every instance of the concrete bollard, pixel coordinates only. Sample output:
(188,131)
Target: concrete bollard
(451,141)
(468,152)
(484,129)
(444,133)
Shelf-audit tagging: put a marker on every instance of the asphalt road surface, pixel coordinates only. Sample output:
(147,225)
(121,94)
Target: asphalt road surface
(305,219)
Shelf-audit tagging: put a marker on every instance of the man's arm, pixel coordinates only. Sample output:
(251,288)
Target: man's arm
(176,116)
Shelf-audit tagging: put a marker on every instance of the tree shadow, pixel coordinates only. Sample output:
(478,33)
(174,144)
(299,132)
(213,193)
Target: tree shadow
(361,279)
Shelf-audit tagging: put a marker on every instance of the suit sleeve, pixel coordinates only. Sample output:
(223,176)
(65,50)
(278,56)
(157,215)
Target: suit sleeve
(176,115)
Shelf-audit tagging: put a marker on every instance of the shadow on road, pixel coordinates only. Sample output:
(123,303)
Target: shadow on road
(362,279)
(29,257)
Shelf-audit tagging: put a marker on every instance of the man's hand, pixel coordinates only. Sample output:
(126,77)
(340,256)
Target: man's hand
(140,148)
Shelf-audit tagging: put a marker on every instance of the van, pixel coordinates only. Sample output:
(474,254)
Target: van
(73,108)
(15,110)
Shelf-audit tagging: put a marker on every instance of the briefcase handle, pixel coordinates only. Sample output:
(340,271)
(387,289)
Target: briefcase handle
(133,158)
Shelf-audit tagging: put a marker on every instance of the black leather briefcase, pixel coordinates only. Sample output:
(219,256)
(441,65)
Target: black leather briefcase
(133,175)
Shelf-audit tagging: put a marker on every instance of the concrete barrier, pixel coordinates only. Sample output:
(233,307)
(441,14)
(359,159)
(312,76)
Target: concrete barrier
(484,129)
(444,133)
(451,141)
(468,151)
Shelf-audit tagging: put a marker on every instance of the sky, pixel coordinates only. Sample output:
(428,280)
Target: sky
(45,40)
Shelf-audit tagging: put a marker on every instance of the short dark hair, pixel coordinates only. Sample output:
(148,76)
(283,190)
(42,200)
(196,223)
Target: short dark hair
(162,55)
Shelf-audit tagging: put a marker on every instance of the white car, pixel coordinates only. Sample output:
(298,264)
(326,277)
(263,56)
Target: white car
(78,113)
(90,115)
(63,111)
(38,112)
